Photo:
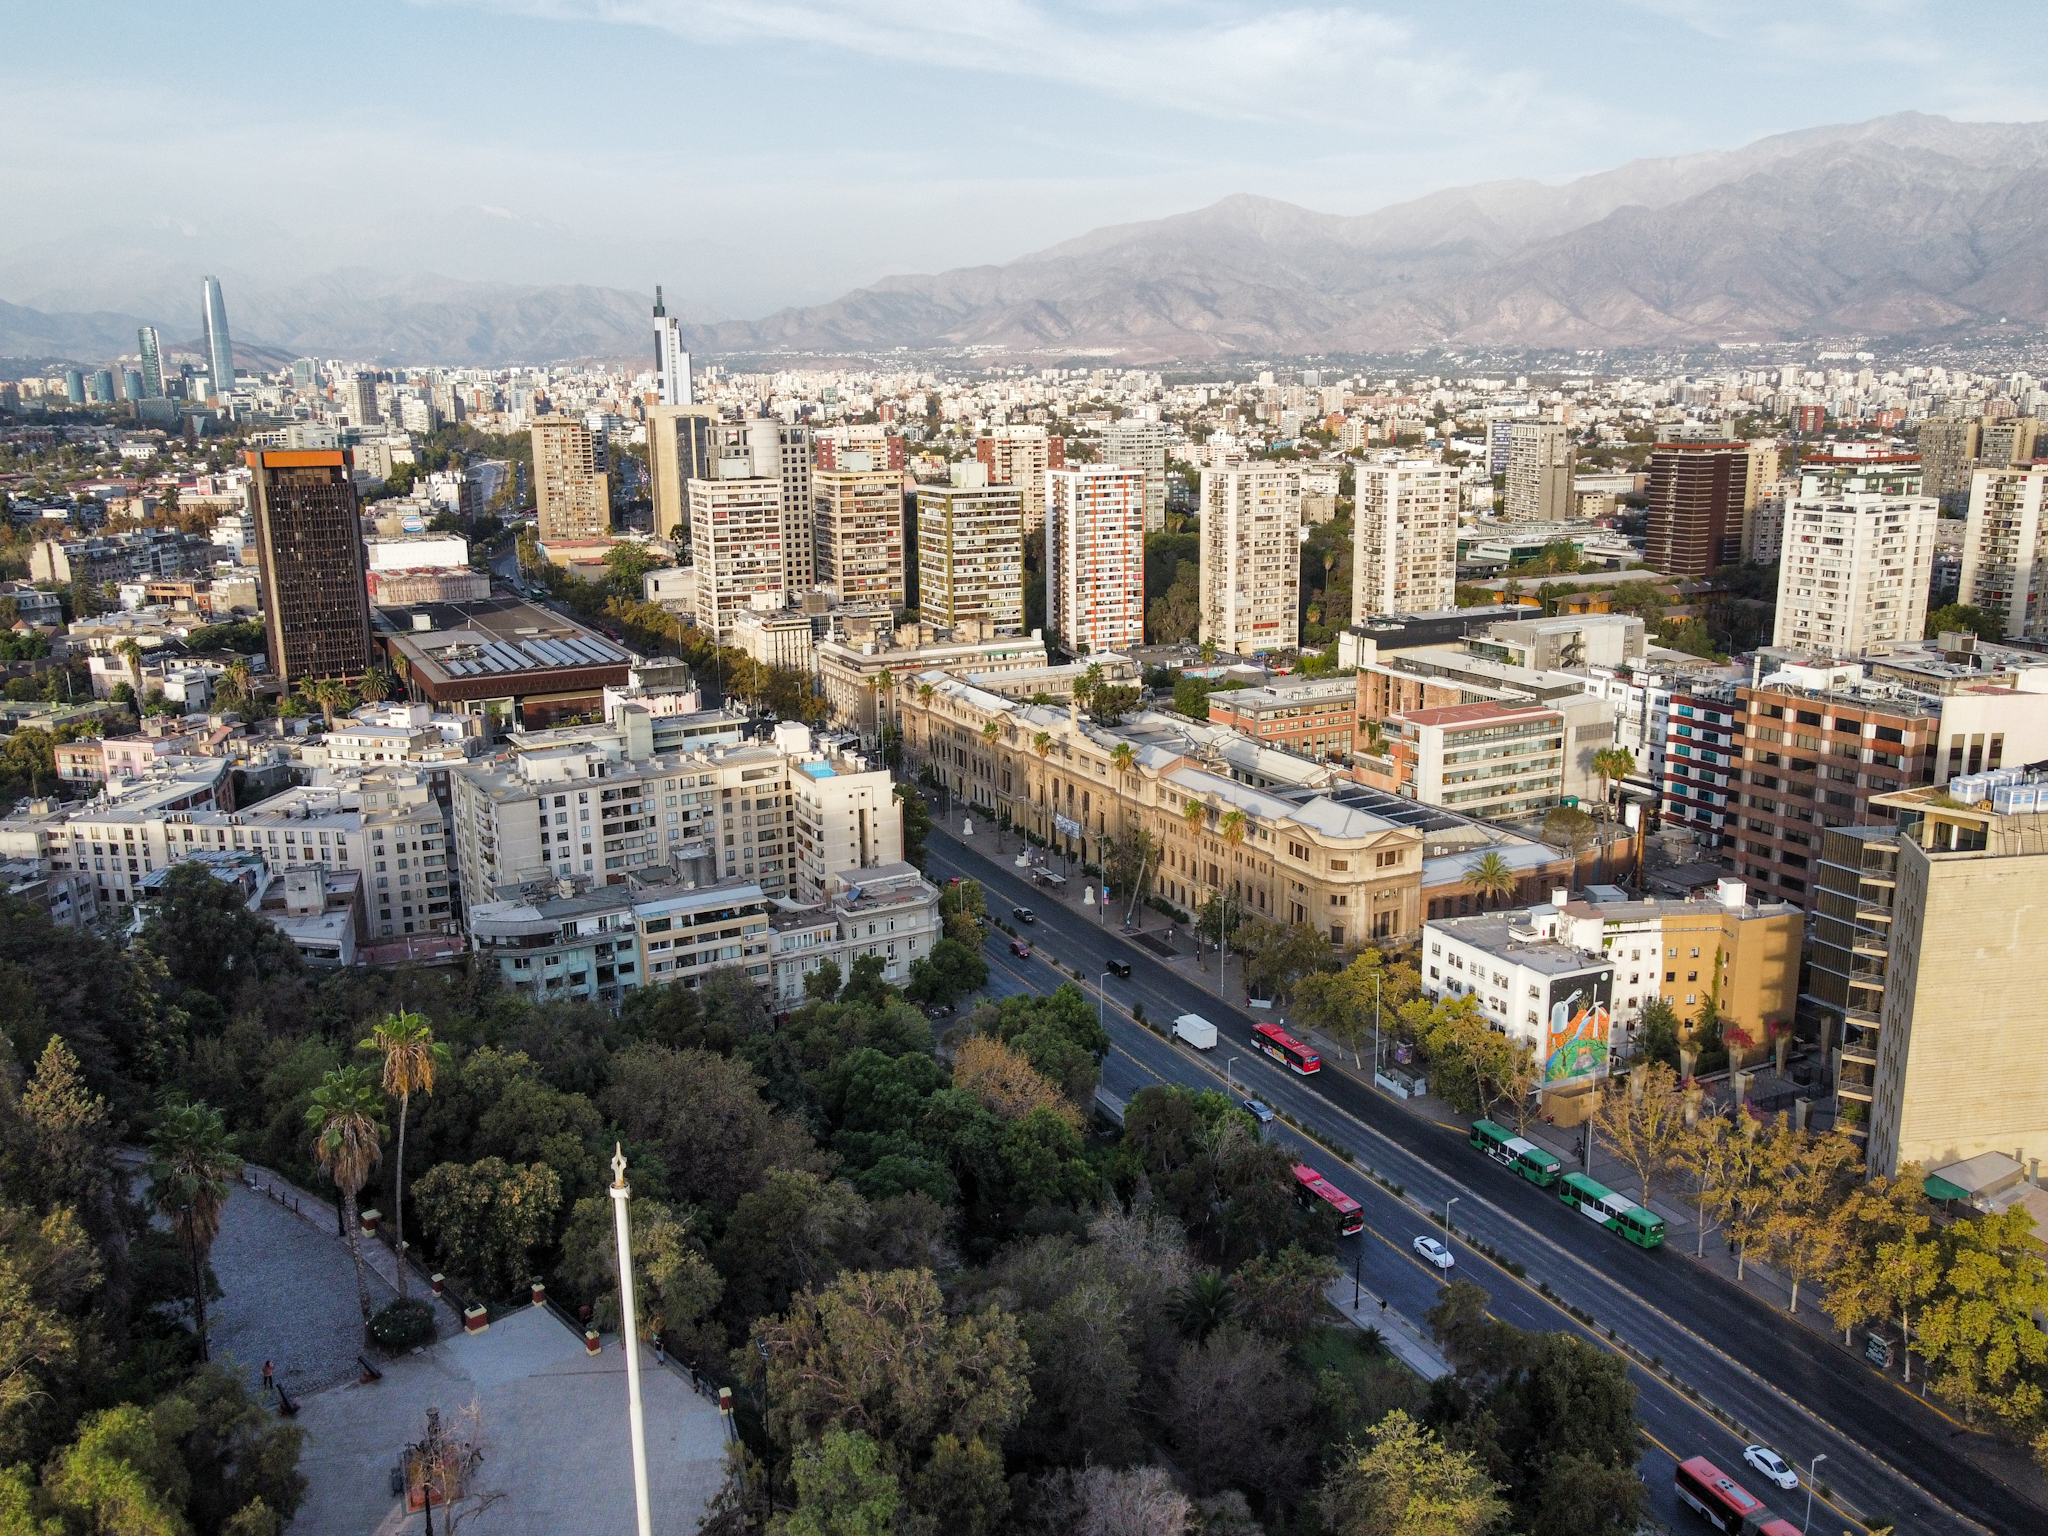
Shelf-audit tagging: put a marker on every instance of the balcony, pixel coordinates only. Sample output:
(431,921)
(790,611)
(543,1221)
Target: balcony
(1867,914)
(1862,1018)
(1872,947)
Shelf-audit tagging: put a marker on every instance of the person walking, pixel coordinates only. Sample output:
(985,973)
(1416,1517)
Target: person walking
(269,1378)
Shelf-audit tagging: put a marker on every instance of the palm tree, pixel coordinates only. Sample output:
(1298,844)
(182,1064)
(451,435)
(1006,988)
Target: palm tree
(1124,758)
(348,1141)
(925,692)
(131,656)
(1233,825)
(990,732)
(1090,684)
(1193,813)
(190,1163)
(1042,743)
(375,687)
(235,679)
(1613,764)
(411,1054)
(1493,876)
(326,692)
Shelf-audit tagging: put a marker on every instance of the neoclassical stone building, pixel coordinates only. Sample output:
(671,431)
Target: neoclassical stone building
(1287,838)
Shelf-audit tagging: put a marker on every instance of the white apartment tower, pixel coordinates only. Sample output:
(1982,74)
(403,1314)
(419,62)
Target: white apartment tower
(1141,445)
(1404,557)
(857,535)
(736,523)
(2005,549)
(970,551)
(1540,464)
(1251,557)
(1095,557)
(1858,556)
(671,363)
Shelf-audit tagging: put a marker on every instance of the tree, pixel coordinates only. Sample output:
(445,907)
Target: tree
(1005,1080)
(1237,1412)
(1657,1032)
(1570,829)
(1642,1120)
(948,973)
(1980,1332)
(348,1141)
(1706,1152)
(1409,1483)
(1281,1295)
(1613,764)
(1883,1213)
(411,1055)
(1965,618)
(190,1163)
(131,656)
(488,1217)
(209,941)
(877,1353)
(674,1283)
(704,1116)
(1493,878)
(1348,1004)
(841,1489)
(917,823)
(1809,1228)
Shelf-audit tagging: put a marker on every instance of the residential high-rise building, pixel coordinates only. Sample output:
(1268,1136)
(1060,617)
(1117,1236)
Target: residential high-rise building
(1697,495)
(1095,556)
(671,363)
(2005,549)
(1948,448)
(736,523)
(1404,554)
(970,551)
(1541,458)
(220,349)
(1023,456)
(1500,441)
(679,450)
(795,461)
(2007,440)
(359,399)
(859,445)
(152,350)
(1857,558)
(857,535)
(1251,557)
(309,541)
(1141,445)
(572,493)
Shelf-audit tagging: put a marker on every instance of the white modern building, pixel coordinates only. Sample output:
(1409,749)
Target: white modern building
(1137,444)
(1251,557)
(1858,556)
(1404,556)
(1095,557)
(736,529)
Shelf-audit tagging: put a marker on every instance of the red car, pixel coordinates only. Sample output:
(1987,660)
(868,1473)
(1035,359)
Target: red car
(1020,949)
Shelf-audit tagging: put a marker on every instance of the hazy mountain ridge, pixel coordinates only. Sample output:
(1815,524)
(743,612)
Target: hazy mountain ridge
(1908,224)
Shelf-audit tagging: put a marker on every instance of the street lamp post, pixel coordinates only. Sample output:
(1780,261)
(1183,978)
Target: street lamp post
(629,1336)
(1811,1471)
(1101,990)
(1227,1082)
(1448,1228)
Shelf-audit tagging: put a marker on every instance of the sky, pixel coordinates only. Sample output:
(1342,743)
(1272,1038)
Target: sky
(749,154)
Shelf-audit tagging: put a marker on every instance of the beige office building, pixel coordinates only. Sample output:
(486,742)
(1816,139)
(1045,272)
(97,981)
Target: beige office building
(1541,462)
(736,546)
(679,450)
(857,535)
(1947,1054)
(1251,557)
(970,551)
(571,490)
(1404,556)
(1022,456)
(2005,549)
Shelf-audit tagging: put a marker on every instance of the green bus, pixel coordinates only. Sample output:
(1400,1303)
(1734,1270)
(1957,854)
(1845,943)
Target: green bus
(1617,1213)
(1517,1153)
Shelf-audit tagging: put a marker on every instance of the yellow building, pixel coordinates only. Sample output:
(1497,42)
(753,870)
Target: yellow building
(1286,847)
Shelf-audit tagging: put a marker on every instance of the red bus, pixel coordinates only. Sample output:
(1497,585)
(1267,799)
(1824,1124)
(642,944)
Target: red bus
(1271,1040)
(1727,1506)
(1312,1189)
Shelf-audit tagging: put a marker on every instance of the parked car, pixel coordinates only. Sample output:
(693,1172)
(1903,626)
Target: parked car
(1771,1465)
(1024,914)
(1020,949)
(1119,967)
(1256,1110)
(1430,1251)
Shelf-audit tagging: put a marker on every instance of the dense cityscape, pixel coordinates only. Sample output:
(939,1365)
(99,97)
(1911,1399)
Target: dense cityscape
(618,918)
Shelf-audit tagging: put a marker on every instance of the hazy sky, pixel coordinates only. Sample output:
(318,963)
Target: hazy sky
(752,153)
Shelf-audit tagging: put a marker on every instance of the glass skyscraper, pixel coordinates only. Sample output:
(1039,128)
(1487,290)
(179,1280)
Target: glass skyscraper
(220,351)
(152,362)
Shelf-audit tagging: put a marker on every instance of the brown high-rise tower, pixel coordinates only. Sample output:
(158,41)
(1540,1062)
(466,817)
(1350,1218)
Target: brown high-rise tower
(316,600)
(1697,493)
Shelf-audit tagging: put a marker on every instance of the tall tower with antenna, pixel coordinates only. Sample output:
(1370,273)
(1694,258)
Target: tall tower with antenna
(671,362)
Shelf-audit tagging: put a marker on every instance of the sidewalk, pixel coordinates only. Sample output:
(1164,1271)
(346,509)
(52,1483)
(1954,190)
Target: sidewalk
(1405,1341)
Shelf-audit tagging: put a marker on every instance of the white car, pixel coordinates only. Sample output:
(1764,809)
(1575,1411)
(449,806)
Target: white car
(1430,1251)
(1771,1465)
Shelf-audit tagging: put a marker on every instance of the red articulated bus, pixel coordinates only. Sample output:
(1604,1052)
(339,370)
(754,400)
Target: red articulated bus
(1271,1040)
(1313,1190)
(1726,1505)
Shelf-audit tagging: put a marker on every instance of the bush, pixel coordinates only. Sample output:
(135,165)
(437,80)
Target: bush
(404,1324)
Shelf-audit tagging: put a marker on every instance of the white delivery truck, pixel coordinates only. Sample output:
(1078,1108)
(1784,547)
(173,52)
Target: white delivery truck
(1196,1030)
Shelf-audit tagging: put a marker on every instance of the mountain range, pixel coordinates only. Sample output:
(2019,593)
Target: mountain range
(1905,226)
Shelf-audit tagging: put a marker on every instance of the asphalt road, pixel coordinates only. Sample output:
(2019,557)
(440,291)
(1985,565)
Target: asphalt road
(1887,1452)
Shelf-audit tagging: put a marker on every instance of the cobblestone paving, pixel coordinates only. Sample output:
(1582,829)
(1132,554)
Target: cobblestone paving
(290,1294)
